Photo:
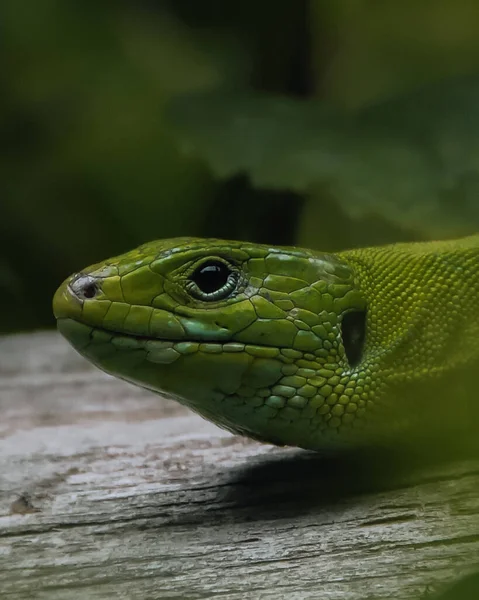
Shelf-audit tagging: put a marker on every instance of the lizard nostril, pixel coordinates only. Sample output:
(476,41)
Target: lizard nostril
(85,287)
(90,290)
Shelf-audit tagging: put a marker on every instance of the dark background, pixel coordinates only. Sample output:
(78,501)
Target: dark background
(324,124)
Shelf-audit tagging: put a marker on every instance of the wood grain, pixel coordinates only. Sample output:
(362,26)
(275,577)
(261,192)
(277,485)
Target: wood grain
(108,491)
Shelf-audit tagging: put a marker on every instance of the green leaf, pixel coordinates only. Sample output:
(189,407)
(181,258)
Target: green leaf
(413,160)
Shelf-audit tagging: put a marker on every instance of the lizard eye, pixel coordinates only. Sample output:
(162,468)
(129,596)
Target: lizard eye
(212,280)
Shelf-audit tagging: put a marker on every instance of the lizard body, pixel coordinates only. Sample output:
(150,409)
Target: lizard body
(288,345)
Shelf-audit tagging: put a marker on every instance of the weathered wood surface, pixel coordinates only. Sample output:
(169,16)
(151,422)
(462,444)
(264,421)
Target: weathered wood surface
(111,492)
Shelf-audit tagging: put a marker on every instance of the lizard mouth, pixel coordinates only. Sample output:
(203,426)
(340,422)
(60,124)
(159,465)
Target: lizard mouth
(84,337)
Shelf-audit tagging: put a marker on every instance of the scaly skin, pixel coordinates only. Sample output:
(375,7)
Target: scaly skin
(301,348)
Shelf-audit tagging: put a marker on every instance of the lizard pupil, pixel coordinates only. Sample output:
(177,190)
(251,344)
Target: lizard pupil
(211,276)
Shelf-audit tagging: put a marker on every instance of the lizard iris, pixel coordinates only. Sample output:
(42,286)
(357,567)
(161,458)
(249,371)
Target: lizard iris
(288,345)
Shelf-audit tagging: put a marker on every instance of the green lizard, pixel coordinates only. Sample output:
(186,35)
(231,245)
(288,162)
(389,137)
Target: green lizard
(287,345)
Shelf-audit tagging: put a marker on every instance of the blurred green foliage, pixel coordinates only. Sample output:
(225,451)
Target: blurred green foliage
(467,588)
(289,122)
(413,160)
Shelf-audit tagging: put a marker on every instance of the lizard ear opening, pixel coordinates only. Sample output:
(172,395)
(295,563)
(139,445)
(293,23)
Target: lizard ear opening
(353,329)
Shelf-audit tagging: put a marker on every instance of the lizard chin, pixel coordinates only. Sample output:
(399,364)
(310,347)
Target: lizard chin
(240,388)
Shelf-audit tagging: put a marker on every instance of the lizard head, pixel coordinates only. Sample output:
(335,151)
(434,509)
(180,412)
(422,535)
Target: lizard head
(262,341)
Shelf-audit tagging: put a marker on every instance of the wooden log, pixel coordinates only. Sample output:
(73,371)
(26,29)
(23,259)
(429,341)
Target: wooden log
(108,491)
